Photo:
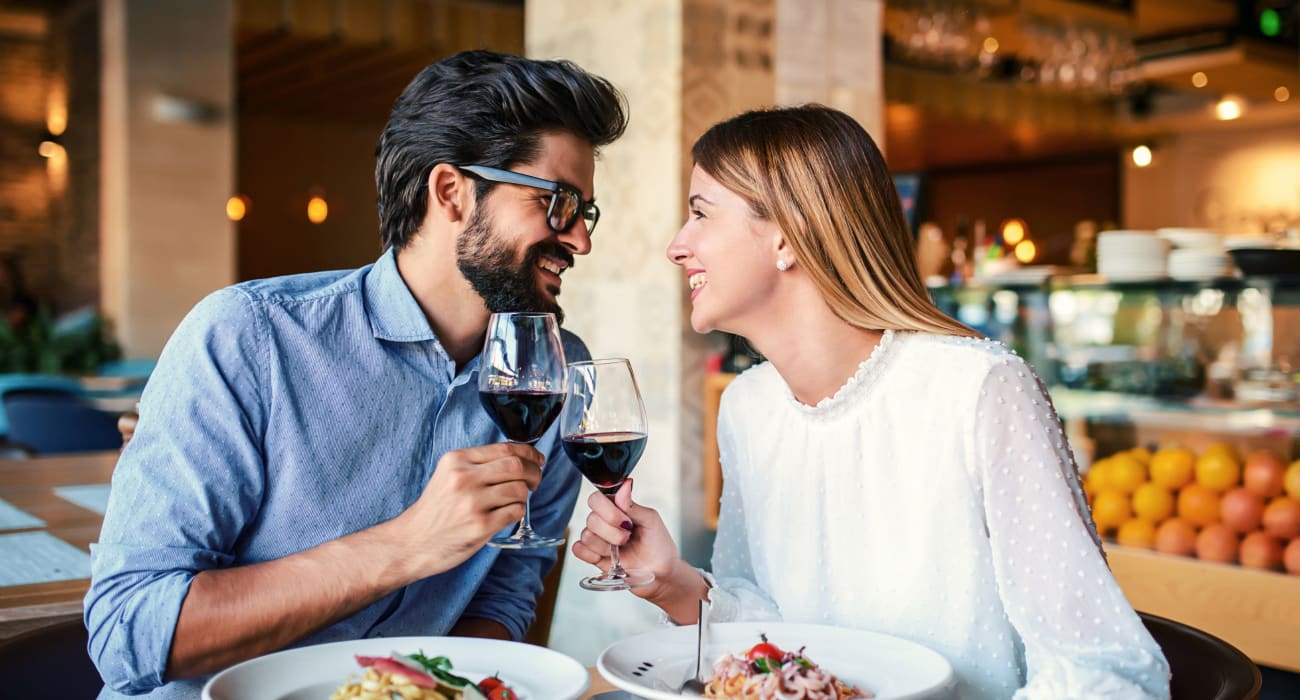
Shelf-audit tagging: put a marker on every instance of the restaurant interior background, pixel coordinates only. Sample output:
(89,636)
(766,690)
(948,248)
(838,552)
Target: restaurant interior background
(154,151)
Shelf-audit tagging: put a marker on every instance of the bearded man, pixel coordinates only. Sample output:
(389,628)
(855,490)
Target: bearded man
(312,463)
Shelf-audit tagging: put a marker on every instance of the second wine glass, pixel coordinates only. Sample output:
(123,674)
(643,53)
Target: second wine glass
(603,425)
(521,384)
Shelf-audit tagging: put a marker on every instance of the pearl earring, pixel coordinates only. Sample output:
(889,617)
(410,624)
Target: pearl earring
(782,265)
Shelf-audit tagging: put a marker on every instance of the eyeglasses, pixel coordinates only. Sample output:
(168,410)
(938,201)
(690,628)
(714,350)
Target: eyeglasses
(566,201)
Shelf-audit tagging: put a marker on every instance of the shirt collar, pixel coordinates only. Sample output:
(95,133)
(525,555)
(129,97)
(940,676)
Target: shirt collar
(394,313)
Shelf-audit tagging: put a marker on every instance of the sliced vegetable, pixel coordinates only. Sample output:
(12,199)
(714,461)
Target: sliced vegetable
(384,664)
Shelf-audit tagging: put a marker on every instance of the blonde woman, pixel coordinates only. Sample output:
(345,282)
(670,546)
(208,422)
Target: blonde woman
(886,469)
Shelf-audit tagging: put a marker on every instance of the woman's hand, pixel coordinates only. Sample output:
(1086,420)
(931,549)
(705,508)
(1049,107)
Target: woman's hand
(644,543)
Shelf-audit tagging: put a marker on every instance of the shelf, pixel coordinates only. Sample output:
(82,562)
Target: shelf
(1192,414)
(1256,611)
(1101,283)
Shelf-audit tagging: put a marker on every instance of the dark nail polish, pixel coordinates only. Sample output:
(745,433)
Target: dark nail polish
(626,525)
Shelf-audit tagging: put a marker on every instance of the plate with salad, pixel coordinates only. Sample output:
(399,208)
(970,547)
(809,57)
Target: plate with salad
(779,659)
(413,668)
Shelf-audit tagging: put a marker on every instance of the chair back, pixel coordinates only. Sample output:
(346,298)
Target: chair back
(1202,666)
(50,421)
(49,662)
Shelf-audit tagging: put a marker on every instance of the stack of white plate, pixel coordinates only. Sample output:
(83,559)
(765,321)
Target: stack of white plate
(1199,263)
(1191,237)
(1131,255)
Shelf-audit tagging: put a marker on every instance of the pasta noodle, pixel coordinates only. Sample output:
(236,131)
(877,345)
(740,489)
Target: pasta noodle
(796,678)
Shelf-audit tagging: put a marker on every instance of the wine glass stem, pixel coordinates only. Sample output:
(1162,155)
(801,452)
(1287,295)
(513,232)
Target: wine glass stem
(615,566)
(525,530)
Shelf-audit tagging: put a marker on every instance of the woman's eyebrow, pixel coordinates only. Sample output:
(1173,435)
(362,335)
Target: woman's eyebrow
(697,197)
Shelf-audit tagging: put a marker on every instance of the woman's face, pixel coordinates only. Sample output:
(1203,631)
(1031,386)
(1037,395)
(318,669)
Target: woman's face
(728,256)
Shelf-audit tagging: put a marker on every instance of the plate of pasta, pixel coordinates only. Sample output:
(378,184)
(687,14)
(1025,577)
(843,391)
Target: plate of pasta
(412,668)
(759,660)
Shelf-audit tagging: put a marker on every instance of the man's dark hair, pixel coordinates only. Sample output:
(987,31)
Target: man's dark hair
(484,108)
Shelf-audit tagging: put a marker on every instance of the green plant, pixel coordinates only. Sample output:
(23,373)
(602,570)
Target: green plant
(78,343)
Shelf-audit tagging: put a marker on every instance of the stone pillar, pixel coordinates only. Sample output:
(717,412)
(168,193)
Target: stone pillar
(167,168)
(684,65)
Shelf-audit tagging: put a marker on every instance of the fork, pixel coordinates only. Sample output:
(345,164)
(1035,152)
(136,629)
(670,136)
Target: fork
(694,685)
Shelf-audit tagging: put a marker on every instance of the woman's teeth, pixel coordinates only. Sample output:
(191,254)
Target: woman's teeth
(696,280)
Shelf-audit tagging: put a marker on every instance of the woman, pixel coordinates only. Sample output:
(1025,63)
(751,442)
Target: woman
(886,468)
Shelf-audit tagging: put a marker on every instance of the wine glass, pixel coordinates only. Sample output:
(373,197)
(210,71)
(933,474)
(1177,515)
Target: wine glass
(521,385)
(603,426)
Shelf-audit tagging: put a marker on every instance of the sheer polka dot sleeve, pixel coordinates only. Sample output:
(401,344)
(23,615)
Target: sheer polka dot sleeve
(1082,639)
(734,594)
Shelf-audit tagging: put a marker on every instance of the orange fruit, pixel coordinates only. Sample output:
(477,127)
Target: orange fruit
(1125,472)
(1141,454)
(1260,550)
(1173,467)
(1291,557)
(1198,505)
(1217,543)
(1282,518)
(1241,509)
(1137,533)
(1218,469)
(1176,536)
(1097,478)
(1291,480)
(1153,502)
(1110,509)
(1263,473)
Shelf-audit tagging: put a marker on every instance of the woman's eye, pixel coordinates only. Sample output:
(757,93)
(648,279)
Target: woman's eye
(697,214)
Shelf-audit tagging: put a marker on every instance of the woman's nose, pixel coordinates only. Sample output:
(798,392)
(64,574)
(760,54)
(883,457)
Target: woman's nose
(678,253)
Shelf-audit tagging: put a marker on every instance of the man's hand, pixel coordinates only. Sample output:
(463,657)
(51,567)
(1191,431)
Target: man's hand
(474,493)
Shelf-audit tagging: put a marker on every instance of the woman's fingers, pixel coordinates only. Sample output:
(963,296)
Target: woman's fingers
(611,533)
(589,551)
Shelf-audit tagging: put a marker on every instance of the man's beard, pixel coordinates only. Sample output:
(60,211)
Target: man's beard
(487,261)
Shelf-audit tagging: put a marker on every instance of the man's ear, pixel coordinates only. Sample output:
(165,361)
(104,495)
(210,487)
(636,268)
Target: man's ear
(451,194)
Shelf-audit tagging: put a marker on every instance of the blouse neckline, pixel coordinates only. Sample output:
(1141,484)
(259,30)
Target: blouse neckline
(860,382)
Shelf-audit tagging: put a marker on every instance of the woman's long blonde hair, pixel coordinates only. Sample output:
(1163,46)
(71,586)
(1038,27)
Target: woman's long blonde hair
(819,177)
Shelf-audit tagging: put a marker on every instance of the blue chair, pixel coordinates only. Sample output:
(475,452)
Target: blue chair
(50,421)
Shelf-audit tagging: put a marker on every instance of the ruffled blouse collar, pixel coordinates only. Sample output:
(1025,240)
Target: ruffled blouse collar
(860,382)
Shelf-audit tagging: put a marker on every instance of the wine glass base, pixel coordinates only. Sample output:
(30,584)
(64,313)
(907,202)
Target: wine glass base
(633,578)
(530,542)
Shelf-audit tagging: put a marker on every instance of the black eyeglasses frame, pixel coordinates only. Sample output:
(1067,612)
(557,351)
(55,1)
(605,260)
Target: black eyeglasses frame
(586,209)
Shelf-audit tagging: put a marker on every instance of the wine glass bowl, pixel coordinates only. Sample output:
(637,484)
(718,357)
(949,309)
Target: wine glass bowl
(603,428)
(521,386)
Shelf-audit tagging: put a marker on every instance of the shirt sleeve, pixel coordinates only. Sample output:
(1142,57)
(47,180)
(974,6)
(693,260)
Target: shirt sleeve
(1081,637)
(734,593)
(509,593)
(186,486)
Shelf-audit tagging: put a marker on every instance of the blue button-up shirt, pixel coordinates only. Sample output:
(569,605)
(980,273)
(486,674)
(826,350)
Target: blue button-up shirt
(285,413)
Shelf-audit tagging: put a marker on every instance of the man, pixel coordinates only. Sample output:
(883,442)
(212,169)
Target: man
(312,462)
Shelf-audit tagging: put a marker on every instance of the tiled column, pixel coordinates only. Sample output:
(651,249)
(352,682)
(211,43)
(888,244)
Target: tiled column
(684,65)
(167,163)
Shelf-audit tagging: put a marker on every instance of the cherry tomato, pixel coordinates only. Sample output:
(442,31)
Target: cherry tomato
(764,650)
(502,692)
(489,684)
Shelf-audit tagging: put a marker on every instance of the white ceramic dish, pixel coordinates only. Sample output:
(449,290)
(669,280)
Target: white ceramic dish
(653,665)
(314,672)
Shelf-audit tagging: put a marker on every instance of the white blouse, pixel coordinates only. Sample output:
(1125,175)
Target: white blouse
(934,498)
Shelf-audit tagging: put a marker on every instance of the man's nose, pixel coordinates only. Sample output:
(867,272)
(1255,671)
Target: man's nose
(578,238)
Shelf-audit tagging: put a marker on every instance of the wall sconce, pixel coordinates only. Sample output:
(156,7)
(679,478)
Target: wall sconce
(237,207)
(317,209)
(1142,155)
(51,146)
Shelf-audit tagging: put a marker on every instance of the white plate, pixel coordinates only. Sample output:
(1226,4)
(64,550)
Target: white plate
(653,664)
(314,672)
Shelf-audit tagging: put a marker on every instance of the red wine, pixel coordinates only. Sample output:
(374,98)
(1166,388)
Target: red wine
(605,459)
(523,416)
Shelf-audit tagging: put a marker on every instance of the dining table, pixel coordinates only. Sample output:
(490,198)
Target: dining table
(30,486)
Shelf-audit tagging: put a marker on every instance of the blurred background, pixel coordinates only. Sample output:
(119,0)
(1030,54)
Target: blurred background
(156,150)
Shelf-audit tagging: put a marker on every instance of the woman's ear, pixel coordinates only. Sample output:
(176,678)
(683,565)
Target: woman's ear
(451,196)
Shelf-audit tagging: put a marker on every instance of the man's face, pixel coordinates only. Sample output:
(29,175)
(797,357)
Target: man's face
(509,255)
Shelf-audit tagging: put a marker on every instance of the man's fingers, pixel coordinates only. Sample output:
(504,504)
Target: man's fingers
(510,468)
(482,454)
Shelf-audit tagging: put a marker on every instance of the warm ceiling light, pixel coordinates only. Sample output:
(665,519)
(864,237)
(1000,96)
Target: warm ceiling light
(317,210)
(1281,94)
(1142,156)
(1025,251)
(1229,107)
(991,44)
(1013,231)
(236,208)
(1199,79)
